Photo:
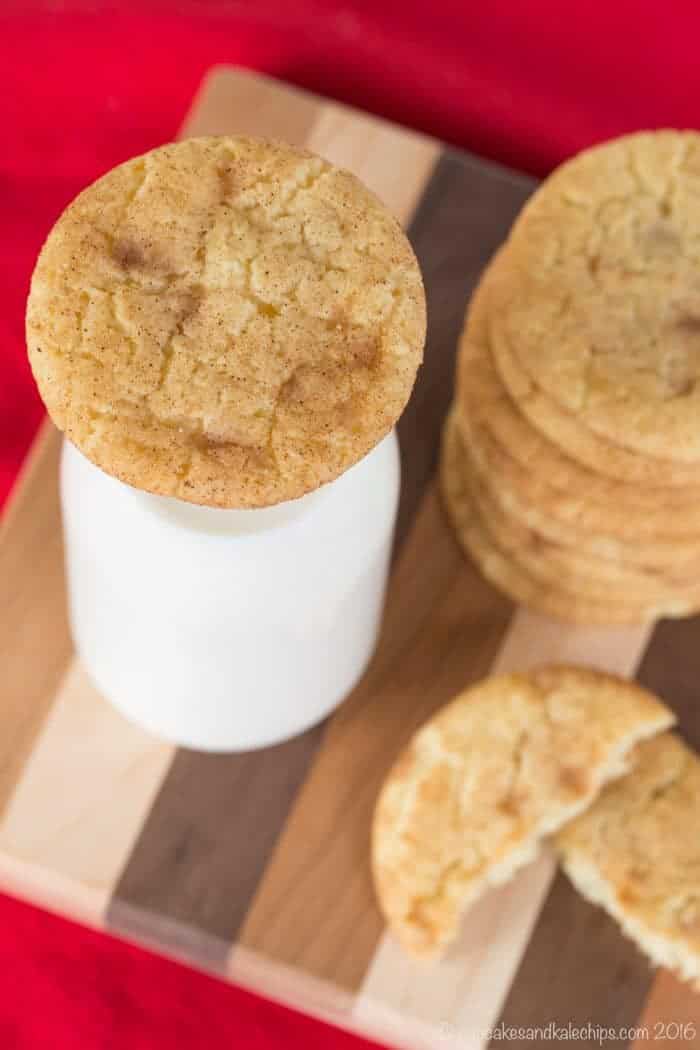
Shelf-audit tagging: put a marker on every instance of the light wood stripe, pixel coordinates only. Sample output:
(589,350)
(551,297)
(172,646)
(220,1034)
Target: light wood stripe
(459,997)
(35,645)
(239,102)
(463,995)
(534,640)
(52,891)
(84,793)
(394,163)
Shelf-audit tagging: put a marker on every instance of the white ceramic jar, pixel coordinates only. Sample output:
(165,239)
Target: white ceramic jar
(226,630)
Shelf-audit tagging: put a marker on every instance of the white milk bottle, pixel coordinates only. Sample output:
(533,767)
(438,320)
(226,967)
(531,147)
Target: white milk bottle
(227,629)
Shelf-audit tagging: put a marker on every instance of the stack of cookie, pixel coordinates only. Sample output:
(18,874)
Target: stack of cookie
(571,459)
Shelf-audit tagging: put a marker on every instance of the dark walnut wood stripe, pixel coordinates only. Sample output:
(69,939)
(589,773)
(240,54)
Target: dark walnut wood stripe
(206,840)
(462,219)
(578,969)
(670,667)
(442,630)
(578,966)
(33,607)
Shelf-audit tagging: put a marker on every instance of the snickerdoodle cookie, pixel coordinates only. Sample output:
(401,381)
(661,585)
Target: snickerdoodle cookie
(227,320)
(510,760)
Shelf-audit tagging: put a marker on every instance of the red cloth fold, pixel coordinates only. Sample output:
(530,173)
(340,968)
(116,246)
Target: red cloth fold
(86,85)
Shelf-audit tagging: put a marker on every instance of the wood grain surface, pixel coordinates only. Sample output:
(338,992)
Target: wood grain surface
(35,646)
(256,866)
(590,972)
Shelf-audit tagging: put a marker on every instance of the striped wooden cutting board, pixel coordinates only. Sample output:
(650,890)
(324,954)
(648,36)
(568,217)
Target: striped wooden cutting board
(256,866)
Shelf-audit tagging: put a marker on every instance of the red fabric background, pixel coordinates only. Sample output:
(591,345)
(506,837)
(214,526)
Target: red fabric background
(85,85)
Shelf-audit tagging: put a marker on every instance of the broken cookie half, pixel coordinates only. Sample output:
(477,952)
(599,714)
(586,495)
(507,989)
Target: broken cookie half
(636,852)
(509,761)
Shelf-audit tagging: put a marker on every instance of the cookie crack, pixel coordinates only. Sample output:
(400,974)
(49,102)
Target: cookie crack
(302,181)
(667,200)
(195,298)
(308,182)
(274,417)
(448,875)
(119,323)
(634,173)
(660,791)
(78,351)
(142,172)
(195,290)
